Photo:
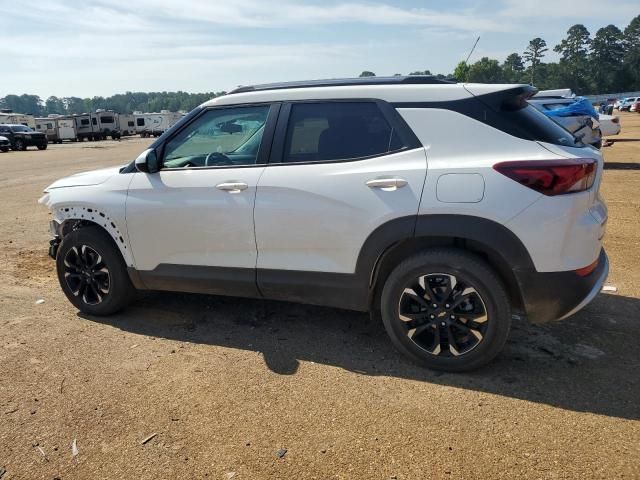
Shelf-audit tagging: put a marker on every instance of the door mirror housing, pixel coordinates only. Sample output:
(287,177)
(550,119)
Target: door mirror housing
(147,161)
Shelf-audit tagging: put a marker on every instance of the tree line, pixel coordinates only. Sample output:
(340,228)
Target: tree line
(128,102)
(607,62)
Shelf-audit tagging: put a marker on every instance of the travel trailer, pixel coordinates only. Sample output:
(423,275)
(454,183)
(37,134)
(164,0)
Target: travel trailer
(127,124)
(155,124)
(9,116)
(57,128)
(98,125)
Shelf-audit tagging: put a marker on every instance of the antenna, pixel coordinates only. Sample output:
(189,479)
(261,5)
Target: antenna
(472,49)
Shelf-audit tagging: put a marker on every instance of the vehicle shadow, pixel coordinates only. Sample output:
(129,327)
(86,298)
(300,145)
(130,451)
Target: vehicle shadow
(587,363)
(621,166)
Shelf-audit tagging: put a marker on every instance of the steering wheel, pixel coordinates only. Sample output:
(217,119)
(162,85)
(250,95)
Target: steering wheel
(220,159)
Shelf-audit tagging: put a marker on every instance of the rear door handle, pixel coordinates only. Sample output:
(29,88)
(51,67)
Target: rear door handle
(387,183)
(232,187)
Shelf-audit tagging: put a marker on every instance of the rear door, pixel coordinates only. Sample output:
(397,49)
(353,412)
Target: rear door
(338,170)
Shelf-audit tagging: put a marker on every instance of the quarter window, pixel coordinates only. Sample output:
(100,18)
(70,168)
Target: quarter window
(338,131)
(220,137)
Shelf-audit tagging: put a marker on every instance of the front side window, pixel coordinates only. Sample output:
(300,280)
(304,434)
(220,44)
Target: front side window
(94,121)
(338,131)
(106,119)
(220,137)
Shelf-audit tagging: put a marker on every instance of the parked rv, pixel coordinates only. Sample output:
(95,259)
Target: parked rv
(127,124)
(57,128)
(9,116)
(97,126)
(155,124)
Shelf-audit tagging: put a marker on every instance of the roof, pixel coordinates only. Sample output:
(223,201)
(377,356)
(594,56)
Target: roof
(390,89)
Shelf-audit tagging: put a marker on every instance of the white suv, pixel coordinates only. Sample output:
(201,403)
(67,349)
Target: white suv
(446,208)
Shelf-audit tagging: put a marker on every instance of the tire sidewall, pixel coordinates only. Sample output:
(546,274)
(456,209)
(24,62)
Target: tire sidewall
(120,287)
(486,284)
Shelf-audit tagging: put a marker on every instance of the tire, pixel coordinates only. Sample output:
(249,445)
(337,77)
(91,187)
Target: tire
(19,145)
(42,147)
(479,325)
(5,149)
(108,292)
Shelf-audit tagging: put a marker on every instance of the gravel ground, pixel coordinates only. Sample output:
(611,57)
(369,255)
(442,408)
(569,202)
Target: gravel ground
(189,386)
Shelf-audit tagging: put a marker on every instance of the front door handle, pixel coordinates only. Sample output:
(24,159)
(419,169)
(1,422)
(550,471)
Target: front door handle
(388,184)
(232,187)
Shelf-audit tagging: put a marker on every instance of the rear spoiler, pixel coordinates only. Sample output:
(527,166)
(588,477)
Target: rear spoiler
(514,97)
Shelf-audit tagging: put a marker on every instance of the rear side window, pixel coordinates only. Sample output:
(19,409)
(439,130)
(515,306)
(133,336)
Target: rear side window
(539,127)
(337,131)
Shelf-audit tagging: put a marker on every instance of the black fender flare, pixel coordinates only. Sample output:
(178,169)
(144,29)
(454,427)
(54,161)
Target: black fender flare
(504,249)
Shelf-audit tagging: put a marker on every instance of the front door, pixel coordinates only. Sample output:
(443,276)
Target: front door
(193,220)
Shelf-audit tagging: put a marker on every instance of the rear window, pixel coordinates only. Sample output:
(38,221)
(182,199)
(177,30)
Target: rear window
(539,127)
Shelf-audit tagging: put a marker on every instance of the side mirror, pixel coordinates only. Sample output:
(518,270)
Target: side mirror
(147,162)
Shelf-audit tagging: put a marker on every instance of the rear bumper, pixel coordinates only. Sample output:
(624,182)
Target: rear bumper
(558,295)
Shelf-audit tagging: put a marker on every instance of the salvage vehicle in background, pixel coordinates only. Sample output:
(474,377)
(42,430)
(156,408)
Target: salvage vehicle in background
(21,137)
(609,125)
(626,103)
(320,192)
(575,114)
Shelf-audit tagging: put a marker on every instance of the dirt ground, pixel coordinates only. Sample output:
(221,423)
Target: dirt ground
(247,389)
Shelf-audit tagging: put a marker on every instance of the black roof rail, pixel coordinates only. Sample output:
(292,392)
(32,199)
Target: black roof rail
(345,82)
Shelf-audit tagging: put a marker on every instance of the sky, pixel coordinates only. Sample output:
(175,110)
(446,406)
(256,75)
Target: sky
(90,48)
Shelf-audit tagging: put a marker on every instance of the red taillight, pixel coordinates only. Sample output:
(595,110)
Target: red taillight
(552,177)
(583,272)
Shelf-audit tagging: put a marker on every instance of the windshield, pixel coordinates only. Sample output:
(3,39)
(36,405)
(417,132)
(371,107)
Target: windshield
(20,128)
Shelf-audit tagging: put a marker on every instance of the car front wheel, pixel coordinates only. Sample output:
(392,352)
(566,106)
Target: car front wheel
(446,309)
(92,273)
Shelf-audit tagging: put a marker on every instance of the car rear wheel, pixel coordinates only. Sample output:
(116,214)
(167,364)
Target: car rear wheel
(92,273)
(42,147)
(4,149)
(446,309)
(19,145)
